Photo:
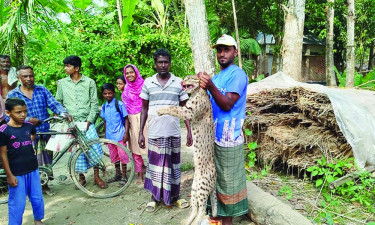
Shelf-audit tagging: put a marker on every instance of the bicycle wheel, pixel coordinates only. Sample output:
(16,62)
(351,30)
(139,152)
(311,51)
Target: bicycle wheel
(107,169)
(3,187)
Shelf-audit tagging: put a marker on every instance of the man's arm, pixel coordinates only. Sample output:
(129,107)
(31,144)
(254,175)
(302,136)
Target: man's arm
(93,103)
(52,103)
(144,115)
(59,93)
(12,180)
(225,102)
(126,134)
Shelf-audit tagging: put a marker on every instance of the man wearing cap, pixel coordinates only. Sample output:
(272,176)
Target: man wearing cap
(227,91)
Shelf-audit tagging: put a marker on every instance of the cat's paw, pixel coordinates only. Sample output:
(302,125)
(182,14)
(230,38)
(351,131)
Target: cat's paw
(163,111)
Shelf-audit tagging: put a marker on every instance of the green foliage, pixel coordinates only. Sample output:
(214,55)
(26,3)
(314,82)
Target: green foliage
(367,82)
(104,51)
(326,172)
(287,192)
(251,156)
(128,7)
(187,167)
(82,4)
(361,190)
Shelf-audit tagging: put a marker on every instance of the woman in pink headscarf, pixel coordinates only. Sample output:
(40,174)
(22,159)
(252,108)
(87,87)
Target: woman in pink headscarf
(133,103)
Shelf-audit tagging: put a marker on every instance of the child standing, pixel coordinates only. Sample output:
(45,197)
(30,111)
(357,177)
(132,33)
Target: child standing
(120,83)
(133,103)
(20,163)
(117,129)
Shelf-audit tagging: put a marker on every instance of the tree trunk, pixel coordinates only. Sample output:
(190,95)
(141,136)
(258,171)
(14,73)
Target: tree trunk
(371,55)
(237,35)
(330,73)
(200,36)
(277,61)
(119,13)
(350,45)
(293,39)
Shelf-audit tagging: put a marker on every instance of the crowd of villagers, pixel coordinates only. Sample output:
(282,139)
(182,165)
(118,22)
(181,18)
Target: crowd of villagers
(132,121)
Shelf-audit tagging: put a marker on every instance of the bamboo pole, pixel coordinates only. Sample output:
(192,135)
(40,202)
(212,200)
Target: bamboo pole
(237,35)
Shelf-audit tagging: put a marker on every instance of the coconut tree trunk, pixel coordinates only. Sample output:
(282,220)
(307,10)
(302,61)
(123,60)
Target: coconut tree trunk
(237,35)
(199,36)
(330,73)
(350,45)
(293,39)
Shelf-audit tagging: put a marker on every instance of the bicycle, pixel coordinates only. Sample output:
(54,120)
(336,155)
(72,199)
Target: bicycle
(86,147)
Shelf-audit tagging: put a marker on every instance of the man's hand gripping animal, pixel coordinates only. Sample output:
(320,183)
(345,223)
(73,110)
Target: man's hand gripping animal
(198,111)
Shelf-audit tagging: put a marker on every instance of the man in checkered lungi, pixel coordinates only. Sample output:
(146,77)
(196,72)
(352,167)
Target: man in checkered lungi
(227,91)
(78,95)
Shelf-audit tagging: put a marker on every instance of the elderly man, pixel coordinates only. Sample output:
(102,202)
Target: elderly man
(227,91)
(37,99)
(8,82)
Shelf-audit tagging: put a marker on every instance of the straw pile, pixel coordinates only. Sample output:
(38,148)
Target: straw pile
(294,127)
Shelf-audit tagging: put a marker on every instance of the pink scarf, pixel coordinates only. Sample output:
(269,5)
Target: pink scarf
(130,96)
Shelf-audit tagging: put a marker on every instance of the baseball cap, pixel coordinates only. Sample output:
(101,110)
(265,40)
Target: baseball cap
(225,40)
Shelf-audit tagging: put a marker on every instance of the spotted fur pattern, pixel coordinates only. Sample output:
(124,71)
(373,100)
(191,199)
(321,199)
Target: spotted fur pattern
(198,111)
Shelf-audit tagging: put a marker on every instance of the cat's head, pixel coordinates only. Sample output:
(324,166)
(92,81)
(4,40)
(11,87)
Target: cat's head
(190,84)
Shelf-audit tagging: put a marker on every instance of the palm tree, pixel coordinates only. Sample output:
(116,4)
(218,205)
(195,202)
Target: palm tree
(17,17)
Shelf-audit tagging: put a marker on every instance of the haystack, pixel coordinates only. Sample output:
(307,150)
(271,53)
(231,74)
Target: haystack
(294,127)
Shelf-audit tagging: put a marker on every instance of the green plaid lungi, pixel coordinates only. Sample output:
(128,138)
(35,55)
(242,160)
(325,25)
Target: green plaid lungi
(231,182)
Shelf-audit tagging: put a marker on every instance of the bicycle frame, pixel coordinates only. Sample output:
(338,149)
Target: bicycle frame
(79,139)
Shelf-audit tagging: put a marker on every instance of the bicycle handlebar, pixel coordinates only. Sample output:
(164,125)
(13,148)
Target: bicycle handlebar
(59,118)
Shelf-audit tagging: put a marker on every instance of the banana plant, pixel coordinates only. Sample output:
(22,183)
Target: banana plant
(128,7)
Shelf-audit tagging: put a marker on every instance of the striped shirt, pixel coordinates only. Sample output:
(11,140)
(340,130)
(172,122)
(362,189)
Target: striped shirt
(160,97)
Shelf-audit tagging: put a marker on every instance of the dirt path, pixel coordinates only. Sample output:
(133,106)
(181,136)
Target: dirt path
(70,206)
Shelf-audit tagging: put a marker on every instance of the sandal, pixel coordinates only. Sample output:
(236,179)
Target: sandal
(123,181)
(151,207)
(114,179)
(82,182)
(182,203)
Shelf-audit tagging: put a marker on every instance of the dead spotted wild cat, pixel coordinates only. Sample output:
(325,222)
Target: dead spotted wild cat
(198,111)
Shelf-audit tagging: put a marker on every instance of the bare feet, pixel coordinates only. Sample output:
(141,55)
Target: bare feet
(139,178)
(38,222)
(100,183)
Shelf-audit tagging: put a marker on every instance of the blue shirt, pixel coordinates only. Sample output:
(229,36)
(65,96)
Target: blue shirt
(38,104)
(228,125)
(115,129)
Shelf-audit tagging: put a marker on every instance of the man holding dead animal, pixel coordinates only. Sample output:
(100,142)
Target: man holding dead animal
(227,91)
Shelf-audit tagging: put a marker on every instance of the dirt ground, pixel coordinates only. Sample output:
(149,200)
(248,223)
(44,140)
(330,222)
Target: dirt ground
(70,206)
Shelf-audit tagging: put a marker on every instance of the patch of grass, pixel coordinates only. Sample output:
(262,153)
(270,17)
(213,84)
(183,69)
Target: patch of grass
(187,167)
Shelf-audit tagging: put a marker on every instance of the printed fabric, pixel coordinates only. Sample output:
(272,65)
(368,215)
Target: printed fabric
(37,106)
(130,95)
(114,127)
(20,152)
(79,98)
(163,172)
(95,153)
(228,124)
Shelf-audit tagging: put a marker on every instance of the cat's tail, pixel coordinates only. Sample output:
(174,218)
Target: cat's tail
(213,198)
